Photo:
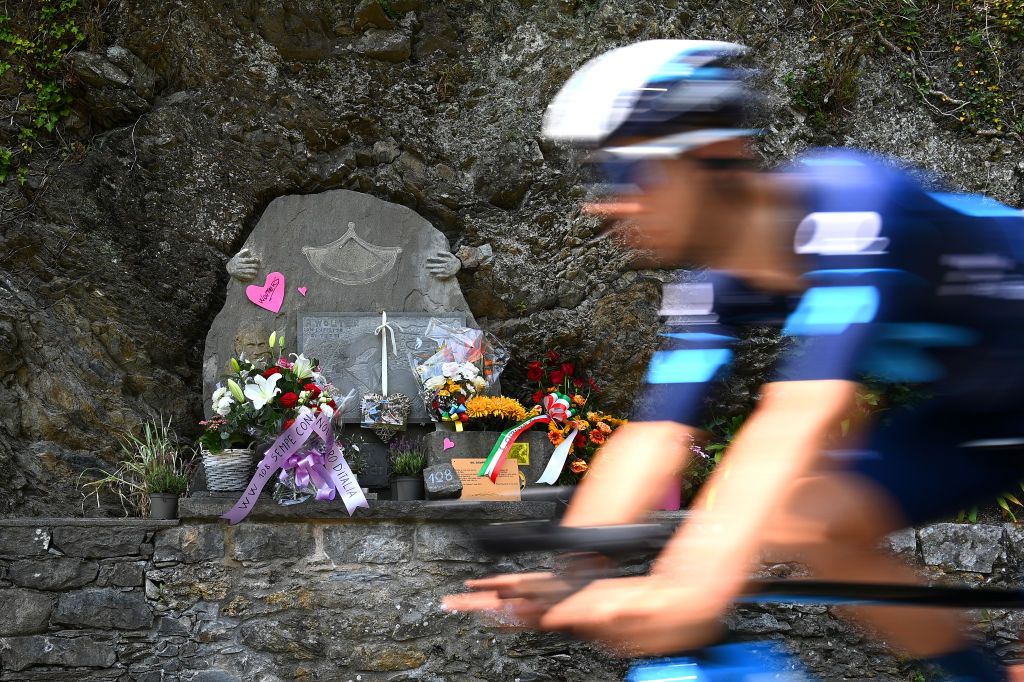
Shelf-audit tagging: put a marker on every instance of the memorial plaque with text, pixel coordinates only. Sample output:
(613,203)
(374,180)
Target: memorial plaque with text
(349,353)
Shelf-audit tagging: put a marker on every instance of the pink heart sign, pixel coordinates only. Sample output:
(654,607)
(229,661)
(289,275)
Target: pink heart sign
(270,296)
(449,444)
(302,290)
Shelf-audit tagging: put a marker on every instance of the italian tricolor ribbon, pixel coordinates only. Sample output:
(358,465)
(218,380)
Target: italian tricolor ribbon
(556,409)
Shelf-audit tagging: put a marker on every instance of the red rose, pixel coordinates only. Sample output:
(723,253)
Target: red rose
(593,385)
(580,440)
(557,377)
(534,372)
(331,403)
(314,390)
(271,371)
(538,396)
(553,357)
(287,424)
(567,368)
(289,399)
(435,405)
(578,383)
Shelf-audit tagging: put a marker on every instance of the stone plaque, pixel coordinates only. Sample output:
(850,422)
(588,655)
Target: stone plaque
(349,353)
(337,251)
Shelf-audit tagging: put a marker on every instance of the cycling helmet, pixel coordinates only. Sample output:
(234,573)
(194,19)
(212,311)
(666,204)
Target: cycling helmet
(675,95)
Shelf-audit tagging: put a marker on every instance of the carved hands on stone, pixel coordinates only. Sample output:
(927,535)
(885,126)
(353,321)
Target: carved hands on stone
(243,266)
(443,265)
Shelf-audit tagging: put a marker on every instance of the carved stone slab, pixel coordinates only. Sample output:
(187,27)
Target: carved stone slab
(347,252)
(350,353)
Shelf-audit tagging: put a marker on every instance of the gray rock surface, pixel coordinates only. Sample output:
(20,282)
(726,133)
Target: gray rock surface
(25,612)
(962,547)
(21,653)
(112,259)
(53,573)
(103,608)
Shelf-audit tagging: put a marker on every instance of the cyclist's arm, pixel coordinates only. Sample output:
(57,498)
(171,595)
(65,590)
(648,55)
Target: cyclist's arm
(777,445)
(632,472)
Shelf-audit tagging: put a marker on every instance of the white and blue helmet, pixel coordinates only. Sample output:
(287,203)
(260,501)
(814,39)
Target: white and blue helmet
(675,95)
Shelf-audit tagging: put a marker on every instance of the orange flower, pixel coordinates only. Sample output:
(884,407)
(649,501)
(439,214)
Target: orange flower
(579,400)
(605,429)
(597,436)
(555,437)
(578,466)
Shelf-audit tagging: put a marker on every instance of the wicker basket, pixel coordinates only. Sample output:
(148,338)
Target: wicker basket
(228,470)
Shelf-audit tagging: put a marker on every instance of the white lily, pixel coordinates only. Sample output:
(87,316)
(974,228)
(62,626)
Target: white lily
(303,366)
(263,390)
(433,383)
(328,410)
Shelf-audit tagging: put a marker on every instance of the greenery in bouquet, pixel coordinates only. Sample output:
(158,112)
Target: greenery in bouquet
(263,396)
(592,431)
(494,413)
(408,456)
(152,463)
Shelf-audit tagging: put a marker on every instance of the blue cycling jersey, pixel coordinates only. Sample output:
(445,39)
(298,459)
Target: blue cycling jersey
(900,283)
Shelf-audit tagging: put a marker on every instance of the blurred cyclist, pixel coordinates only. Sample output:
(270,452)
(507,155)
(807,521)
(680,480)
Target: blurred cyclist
(866,272)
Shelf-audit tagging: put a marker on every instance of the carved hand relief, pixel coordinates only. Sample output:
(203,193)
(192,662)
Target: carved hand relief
(244,266)
(352,260)
(443,265)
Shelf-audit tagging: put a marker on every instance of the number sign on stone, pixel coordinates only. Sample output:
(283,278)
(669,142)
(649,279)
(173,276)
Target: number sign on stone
(349,353)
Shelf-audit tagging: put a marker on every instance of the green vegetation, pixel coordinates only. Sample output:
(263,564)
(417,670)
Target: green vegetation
(34,42)
(960,57)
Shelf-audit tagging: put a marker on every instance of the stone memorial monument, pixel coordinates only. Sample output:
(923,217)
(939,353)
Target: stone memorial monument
(321,268)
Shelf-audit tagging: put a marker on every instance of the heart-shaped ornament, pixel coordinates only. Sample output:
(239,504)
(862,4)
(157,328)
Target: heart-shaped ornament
(448,444)
(270,296)
(302,290)
(386,415)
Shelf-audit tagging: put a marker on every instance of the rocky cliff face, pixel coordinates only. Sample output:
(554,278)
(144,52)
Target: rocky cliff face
(190,117)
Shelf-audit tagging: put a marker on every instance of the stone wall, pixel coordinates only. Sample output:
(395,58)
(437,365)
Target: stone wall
(331,598)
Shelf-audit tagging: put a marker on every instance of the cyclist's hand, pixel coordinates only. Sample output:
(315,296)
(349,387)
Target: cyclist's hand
(517,600)
(641,616)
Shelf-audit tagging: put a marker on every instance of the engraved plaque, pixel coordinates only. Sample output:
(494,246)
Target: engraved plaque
(349,353)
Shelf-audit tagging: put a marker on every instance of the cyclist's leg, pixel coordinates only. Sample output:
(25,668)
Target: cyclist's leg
(912,471)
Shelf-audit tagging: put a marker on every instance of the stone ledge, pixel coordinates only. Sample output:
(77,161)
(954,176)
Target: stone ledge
(45,521)
(210,506)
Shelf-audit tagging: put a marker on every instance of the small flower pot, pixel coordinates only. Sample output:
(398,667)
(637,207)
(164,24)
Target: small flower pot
(163,506)
(405,488)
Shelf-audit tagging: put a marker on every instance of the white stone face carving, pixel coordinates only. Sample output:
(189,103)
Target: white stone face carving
(352,260)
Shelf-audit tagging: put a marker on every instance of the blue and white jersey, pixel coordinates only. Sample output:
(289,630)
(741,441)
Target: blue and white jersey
(900,284)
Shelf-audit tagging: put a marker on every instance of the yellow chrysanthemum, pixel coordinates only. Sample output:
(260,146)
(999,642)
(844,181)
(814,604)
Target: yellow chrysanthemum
(497,407)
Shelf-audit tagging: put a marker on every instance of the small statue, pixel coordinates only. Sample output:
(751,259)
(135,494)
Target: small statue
(243,266)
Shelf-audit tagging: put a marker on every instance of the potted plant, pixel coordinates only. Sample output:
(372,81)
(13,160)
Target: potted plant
(408,460)
(151,476)
(261,398)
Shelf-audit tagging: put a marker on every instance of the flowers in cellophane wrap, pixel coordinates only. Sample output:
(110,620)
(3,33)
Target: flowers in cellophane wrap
(261,397)
(453,364)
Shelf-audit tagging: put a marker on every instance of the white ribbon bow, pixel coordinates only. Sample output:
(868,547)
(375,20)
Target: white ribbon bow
(383,330)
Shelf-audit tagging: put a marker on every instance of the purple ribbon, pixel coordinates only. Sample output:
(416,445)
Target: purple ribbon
(309,471)
(327,471)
